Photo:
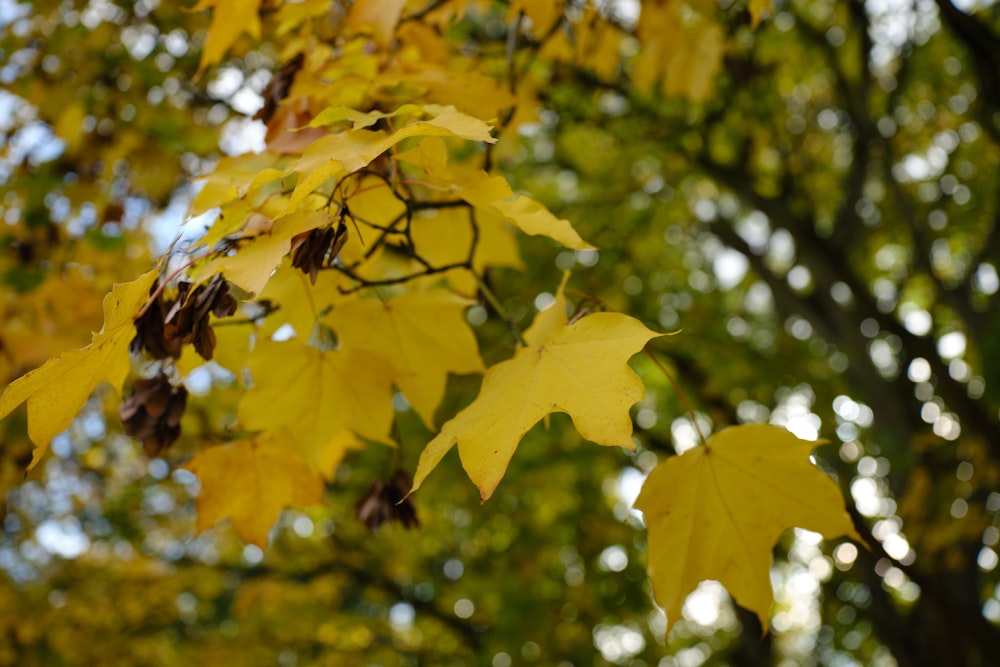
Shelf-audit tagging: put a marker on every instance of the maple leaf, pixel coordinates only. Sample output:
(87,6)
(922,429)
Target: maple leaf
(376,16)
(233,177)
(493,195)
(301,302)
(715,512)
(251,481)
(579,368)
(316,394)
(351,151)
(425,334)
(445,236)
(230,19)
(757,9)
(681,50)
(57,390)
(541,14)
(252,265)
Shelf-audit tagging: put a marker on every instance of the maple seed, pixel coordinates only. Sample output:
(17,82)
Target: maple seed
(386,500)
(313,250)
(278,87)
(149,334)
(152,413)
(188,319)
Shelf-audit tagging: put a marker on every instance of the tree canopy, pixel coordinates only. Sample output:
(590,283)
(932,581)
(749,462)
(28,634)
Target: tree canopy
(266,264)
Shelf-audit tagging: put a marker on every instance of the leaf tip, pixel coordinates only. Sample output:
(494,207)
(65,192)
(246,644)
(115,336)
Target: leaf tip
(486,493)
(36,456)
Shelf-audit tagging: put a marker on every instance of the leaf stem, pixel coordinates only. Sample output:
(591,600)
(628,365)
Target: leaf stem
(495,304)
(680,395)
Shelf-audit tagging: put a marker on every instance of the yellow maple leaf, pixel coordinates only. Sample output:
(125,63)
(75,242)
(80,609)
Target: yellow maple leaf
(301,302)
(423,334)
(234,177)
(251,266)
(542,15)
(330,454)
(351,151)
(757,9)
(473,91)
(716,511)
(379,17)
(57,390)
(445,236)
(681,50)
(692,71)
(493,195)
(250,482)
(230,19)
(232,346)
(593,43)
(291,15)
(58,315)
(315,394)
(579,368)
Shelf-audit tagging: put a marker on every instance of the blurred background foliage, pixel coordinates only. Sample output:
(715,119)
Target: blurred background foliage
(818,222)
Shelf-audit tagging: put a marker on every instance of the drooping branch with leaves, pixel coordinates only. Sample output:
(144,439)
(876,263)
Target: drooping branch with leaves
(350,282)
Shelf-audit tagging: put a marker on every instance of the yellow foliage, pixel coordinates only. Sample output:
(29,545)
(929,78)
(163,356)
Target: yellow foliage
(58,315)
(445,236)
(316,394)
(494,195)
(681,52)
(250,482)
(423,335)
(252,266)
(230,19)
(579,368)
(347,152)
(379,17)
(716,512)
(57,390)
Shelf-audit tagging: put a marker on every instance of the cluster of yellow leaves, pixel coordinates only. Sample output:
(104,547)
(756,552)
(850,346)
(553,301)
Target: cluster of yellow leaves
(345,149)
(375,137)
(43,322)
(56,391)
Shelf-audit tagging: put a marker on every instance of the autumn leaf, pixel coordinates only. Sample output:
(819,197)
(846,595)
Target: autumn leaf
(424,335)
(541,14)
(253,264)
(446,236)
(580,369)
(493,195)
(301,302)
(351,151)
(757,9)
(315,394)
(251,481)
(715,512)
(57,390)
(376,16)
(230,19)
(233,177)
(682,50)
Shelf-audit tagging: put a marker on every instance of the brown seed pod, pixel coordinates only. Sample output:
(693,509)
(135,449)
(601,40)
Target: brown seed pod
(386,500)
(153,411)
